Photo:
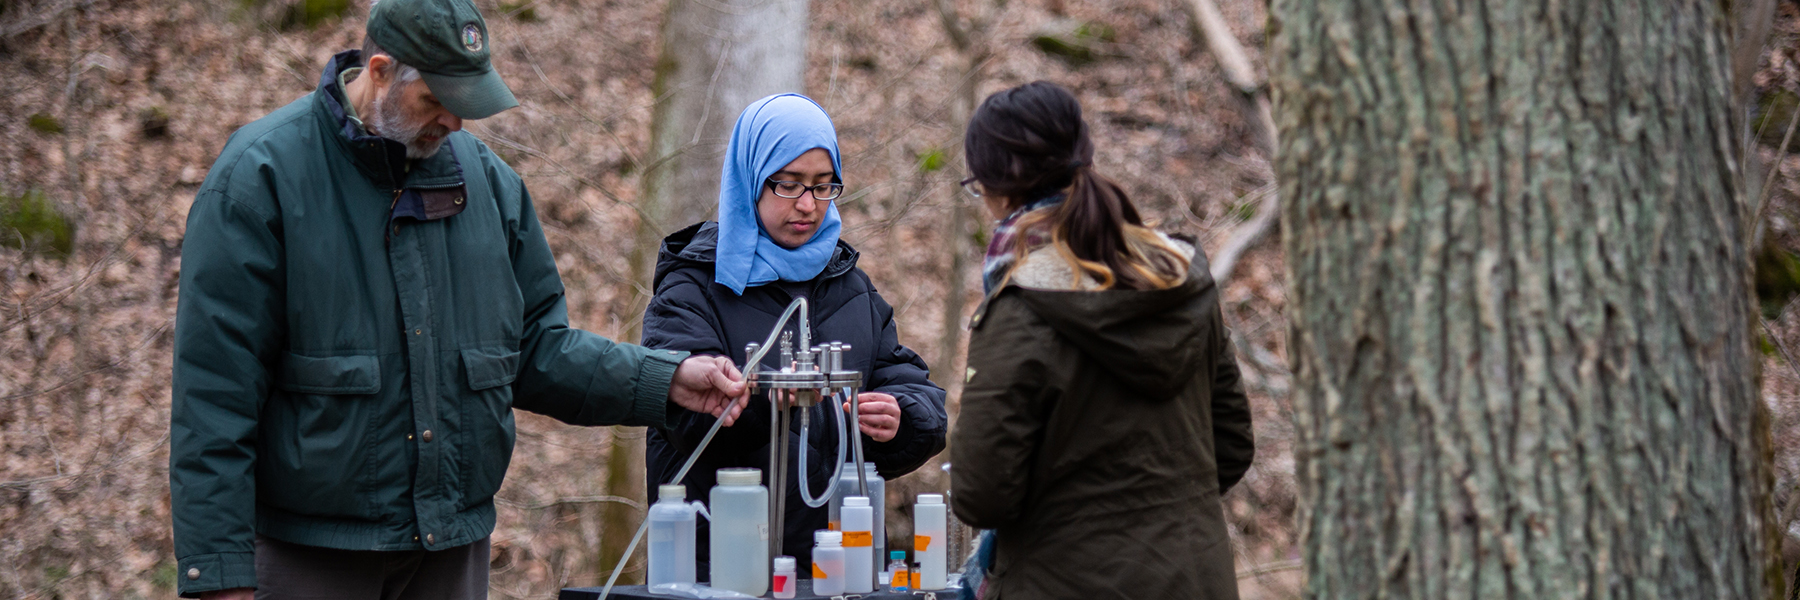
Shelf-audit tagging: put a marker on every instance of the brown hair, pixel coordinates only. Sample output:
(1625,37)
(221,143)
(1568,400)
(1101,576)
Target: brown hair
(1030,142)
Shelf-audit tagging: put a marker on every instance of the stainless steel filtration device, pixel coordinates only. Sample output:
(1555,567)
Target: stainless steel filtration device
(808,375)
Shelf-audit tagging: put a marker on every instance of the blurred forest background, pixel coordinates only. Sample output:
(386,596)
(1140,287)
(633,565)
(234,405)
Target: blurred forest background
(115,109)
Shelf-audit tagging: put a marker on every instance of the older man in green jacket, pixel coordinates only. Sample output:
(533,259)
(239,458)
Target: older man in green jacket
(366,294)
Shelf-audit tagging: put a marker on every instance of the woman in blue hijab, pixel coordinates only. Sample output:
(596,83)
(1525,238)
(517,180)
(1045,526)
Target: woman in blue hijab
(720,285)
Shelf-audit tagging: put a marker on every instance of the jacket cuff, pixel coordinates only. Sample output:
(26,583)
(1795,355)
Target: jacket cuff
(213,572)
(651,405)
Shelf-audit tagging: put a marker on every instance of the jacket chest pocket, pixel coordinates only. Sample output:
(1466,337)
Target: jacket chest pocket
(317,433)
(490,367)
(487,416)
(330,375)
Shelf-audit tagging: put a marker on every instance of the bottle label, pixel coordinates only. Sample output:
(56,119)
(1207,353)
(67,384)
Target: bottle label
(921,543)
(858,539)
(781,582)
(915,580)
(819,573)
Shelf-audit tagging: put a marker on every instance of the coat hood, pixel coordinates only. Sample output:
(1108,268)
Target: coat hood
(1154,341)
(697,246)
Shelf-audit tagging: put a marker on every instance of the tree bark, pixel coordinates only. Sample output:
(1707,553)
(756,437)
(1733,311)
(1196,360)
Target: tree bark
(1519,305)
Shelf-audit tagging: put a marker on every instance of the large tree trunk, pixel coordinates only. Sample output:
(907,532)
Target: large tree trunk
(717,57)
(1519,308)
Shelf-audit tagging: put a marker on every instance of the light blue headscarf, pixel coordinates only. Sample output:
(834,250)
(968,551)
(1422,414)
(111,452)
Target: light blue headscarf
(771,133)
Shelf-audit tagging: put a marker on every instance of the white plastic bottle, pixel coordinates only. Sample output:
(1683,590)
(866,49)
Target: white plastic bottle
(859,546)
(740,532)
(672,521)
(847,487)
(783,583)
(929,544)
(828,563)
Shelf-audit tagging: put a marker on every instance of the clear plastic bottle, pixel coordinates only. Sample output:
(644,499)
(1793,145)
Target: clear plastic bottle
(930,521)
(783,583)
(878,505)
(897,580)
(828,563)
(672,521)
(859,547)
(740,532)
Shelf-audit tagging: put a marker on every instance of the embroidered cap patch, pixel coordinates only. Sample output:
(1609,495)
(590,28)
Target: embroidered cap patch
(471,37)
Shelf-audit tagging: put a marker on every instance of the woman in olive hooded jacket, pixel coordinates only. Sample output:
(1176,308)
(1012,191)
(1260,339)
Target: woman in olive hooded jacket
(1102,416)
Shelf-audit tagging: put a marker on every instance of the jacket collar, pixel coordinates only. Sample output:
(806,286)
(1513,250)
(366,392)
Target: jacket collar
(380,159)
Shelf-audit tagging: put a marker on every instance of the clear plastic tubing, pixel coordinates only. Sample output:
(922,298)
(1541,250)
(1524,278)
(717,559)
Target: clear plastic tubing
(834,483)
(783,583)
(740,532)
(930,524)
(828,563)
(672,521)
(859,547)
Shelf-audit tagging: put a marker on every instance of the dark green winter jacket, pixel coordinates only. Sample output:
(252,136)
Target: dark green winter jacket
(353,333)
(1098,430)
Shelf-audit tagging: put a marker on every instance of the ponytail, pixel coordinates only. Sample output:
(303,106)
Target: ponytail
(1098,231)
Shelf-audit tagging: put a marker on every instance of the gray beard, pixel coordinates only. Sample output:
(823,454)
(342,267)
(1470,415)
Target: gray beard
(392,124)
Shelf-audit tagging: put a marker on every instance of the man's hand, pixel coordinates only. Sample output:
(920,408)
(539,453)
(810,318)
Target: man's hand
(231,594)
(707,384)
(877,415)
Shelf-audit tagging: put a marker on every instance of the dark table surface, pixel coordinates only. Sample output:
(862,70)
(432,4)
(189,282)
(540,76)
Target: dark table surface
(802,592)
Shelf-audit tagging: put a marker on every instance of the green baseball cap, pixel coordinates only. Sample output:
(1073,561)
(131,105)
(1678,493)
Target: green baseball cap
(447,41)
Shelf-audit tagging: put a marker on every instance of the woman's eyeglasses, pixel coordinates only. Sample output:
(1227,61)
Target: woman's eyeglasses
(971,186)
(793,189)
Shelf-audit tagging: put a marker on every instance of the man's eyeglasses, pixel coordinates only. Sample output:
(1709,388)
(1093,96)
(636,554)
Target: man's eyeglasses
(793,189)
(971,186)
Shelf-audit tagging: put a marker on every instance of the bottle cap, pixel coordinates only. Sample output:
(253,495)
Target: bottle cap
(827,538)
(740,476)
(673,491)
(856,501)
(897,555)
(784,563)
(931,499)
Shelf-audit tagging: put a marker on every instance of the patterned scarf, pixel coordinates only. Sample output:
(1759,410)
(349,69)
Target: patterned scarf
(999,259)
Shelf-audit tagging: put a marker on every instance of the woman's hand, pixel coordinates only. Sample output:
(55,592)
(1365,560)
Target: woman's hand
(878,415)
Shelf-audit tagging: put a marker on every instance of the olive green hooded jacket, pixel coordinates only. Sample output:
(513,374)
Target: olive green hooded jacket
(1098,430)
(354,330)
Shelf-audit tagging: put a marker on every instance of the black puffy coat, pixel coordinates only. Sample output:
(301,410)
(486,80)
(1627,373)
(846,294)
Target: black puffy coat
(690,312)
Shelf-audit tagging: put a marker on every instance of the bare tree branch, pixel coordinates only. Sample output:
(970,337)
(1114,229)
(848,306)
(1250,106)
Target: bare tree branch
(568,500)
(1209,24)
(1248,234)
(41,19)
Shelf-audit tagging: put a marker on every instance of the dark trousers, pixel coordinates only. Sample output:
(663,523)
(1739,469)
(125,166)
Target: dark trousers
(287,571)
